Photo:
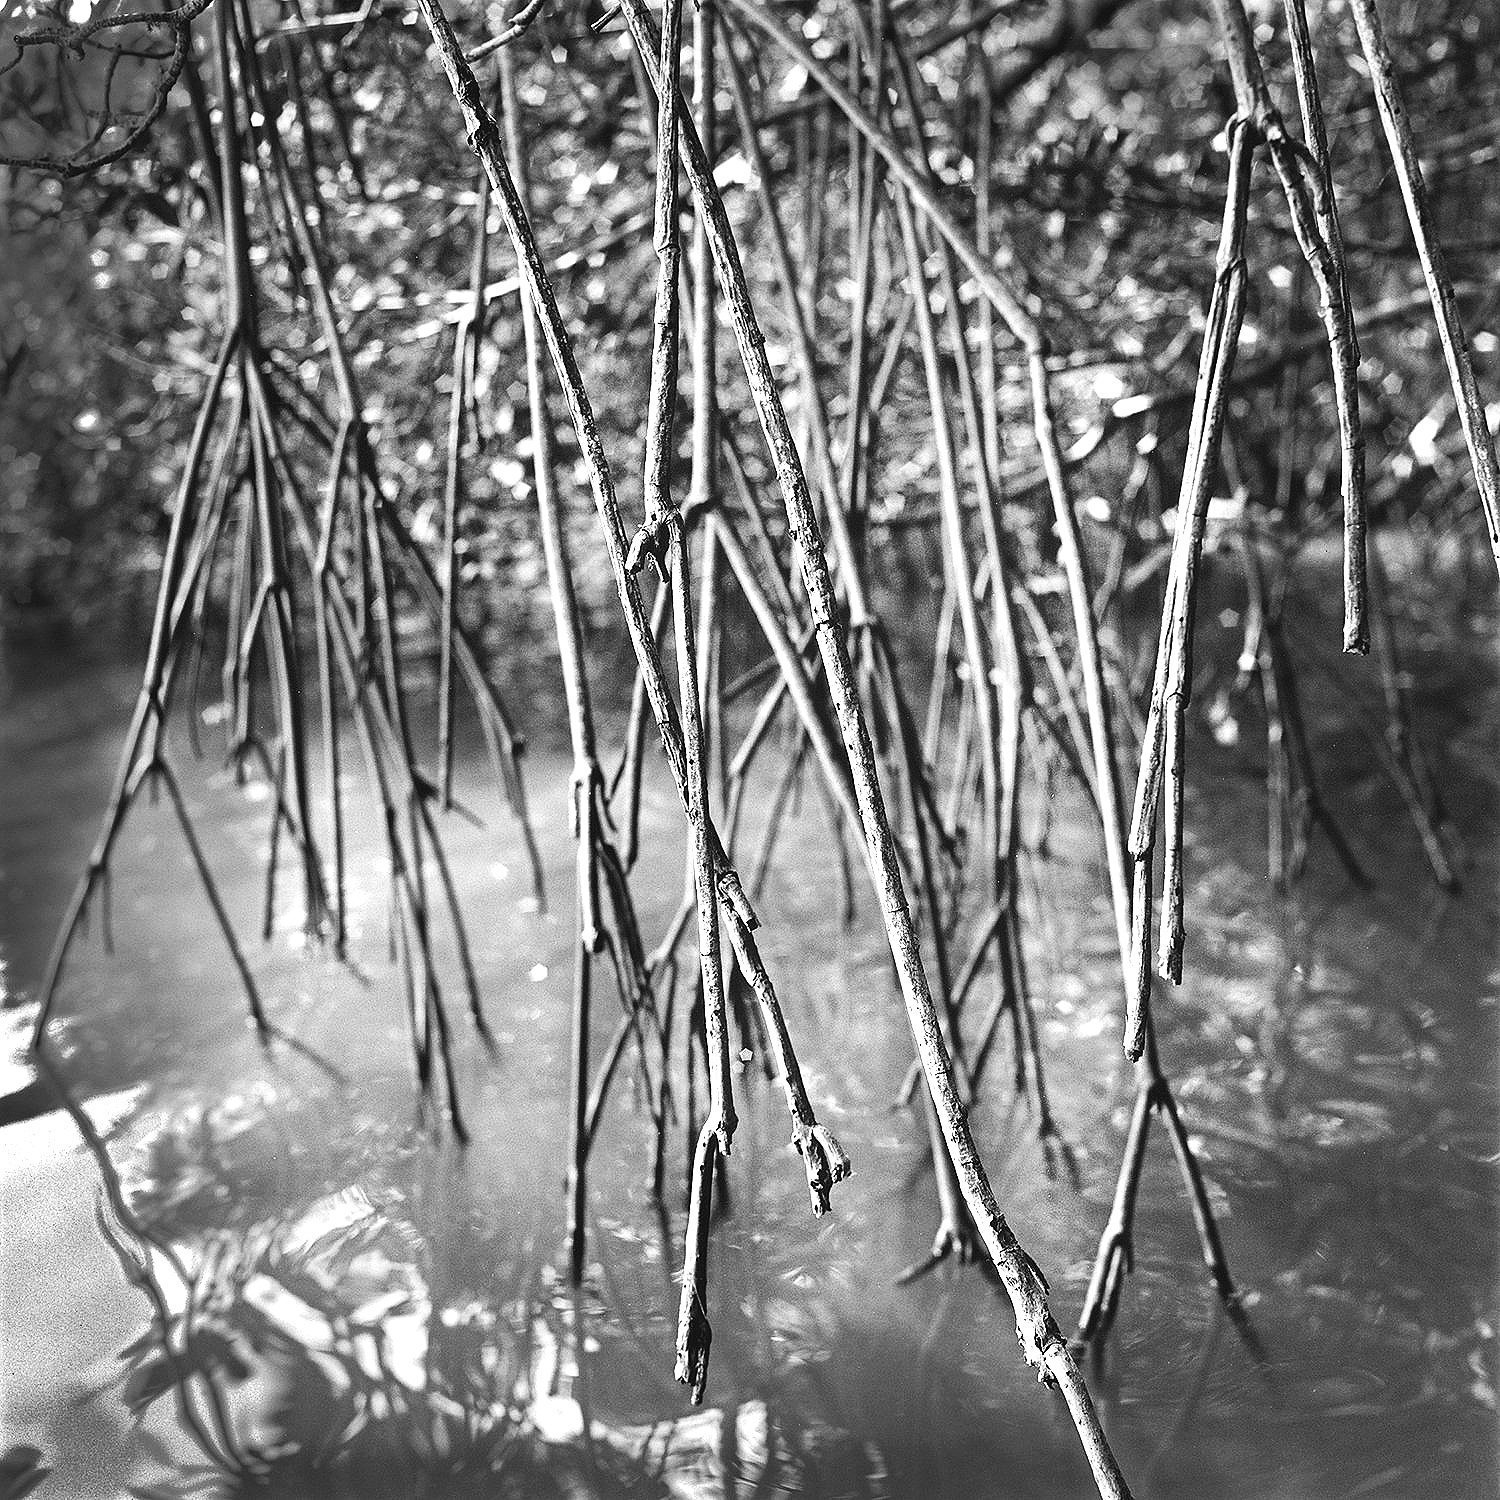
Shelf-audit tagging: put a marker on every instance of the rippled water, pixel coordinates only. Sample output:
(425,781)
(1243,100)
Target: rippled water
(363,1308)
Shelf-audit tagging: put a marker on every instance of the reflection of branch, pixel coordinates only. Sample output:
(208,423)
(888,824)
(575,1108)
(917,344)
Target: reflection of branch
(133,1244)
(1116,1253)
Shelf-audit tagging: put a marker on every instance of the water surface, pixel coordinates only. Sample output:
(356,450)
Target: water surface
(373,1310)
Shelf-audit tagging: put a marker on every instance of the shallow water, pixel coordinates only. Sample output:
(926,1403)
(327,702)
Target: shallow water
(376,1311)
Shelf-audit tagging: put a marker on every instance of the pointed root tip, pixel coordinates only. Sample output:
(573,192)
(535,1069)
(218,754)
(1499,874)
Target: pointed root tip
(918,1269)
(692,1360)
(37,1040)
(827,1164)
(1137,1008)
(734,893)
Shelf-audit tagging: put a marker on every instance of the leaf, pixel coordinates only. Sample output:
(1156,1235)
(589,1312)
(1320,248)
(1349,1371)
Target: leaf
(21,1470)
(154,1448)
(209,1350)
(138,1347)
(149,1381)
(159,206)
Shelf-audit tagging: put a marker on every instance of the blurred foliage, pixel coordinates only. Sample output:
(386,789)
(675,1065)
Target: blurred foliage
(1107,182)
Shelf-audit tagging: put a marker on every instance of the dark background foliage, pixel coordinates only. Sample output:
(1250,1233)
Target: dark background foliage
(1107,175)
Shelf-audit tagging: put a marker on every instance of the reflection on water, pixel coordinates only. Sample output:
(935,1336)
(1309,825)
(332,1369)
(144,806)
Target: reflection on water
(332,1353)
(262,1275)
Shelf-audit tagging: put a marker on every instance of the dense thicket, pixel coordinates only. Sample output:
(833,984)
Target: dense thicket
(1107,164)
(917,362)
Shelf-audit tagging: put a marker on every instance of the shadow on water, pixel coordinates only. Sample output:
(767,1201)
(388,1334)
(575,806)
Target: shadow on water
(388,1337)
(265,1275)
